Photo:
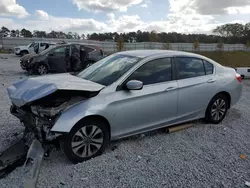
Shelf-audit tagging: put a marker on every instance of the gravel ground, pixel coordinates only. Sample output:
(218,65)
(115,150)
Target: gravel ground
(202,156)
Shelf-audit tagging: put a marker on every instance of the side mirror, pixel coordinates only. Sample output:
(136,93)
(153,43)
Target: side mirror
(134,85)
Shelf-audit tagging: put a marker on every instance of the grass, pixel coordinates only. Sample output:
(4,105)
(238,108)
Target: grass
(4,51)
(231,59)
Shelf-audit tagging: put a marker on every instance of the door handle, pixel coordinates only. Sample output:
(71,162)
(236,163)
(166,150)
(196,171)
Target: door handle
(170,89)
(211,80)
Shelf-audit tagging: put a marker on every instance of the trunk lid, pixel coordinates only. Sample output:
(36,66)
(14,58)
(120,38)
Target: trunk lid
(31,89)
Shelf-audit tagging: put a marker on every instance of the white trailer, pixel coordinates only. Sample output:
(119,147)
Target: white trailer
(243,71)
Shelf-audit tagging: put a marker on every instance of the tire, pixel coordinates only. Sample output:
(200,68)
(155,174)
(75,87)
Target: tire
(217,109)
(30,72)
(243,76)
(88,64)
(42,69)
(22,53)
(79,145)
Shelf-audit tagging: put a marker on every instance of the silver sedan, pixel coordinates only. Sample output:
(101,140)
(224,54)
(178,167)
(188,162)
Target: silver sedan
(124,94)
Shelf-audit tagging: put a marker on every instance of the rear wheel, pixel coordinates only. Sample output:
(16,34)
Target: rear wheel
(217,109)
(42,69)
(86,140)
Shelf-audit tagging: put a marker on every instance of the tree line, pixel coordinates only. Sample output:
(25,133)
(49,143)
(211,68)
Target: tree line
(228,33)
(5,32)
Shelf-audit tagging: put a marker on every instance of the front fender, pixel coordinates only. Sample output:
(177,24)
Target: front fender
(72,115)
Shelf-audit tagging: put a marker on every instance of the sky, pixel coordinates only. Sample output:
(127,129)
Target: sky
(88,16)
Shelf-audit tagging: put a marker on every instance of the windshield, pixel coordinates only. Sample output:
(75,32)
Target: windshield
(31,44)
(109,69)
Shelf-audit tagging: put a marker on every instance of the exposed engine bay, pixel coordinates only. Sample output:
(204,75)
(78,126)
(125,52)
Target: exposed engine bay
(39,116)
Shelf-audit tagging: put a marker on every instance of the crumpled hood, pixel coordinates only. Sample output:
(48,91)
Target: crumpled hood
(31,89)
(28,56)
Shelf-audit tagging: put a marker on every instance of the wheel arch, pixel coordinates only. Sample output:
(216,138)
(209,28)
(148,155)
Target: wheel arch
(24,50)
(61,129)
(42,63)
(99,117)
(221,93)
(227,95)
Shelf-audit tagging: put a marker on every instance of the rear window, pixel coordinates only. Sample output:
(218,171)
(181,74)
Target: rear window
(209,68)
(188,67)
(88,49)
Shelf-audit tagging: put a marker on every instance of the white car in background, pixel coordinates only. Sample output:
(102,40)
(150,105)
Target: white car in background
(243,71)
(31,48)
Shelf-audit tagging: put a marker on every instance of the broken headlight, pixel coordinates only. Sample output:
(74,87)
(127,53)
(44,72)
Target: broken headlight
(42,111)
(47,111)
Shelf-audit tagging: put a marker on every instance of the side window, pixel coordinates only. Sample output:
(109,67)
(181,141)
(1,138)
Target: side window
(88,49)
(43,44)
(209,68)
(75,48)
(248,70)
(60,50)
(32,45)
(156,71)
(188,67)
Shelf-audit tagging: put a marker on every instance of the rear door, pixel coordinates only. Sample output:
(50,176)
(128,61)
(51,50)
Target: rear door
(75,62)
(93,53)
(57,59)
(197,85)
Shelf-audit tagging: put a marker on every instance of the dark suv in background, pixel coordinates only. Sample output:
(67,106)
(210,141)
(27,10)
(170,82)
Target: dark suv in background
(62,58)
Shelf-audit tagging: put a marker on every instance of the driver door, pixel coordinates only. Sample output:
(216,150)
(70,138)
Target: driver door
(57,60)
(151,107)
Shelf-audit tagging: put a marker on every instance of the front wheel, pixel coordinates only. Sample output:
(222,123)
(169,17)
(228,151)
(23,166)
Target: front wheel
(217,109)
(86,140)
(42,69)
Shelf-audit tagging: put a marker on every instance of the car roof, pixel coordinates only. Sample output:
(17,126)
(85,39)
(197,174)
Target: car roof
(86,44)
(148,53)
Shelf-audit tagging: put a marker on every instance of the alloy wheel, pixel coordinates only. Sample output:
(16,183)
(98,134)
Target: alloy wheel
(42,69)
(218,109)
(87,141)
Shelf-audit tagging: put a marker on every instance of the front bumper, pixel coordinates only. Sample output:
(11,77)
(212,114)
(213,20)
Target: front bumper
(23,65)
(26,65)
(17,51)
(40,126)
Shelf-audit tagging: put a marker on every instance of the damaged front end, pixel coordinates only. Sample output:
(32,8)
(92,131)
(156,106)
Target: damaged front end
(38,103)
(39,116)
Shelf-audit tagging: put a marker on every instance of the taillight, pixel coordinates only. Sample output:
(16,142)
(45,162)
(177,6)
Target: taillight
(238,77)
